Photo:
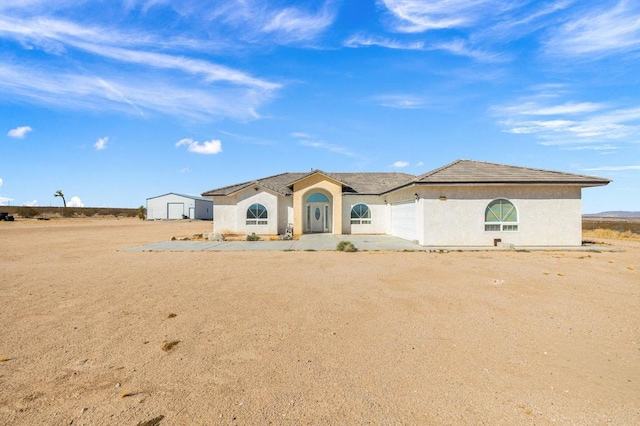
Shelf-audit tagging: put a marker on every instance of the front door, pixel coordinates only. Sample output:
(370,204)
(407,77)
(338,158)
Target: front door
(318,217)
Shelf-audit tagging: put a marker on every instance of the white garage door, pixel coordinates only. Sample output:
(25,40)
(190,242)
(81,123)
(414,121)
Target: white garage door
(403,221)
(175,210)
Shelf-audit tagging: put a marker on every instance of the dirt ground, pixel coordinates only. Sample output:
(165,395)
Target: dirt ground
(94,336)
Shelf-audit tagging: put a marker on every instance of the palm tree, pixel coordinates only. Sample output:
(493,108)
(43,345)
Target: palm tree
(60,194)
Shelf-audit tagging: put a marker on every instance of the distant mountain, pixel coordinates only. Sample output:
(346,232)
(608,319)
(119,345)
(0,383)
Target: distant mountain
(615,214)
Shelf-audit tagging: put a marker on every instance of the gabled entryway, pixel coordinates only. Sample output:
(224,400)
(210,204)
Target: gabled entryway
(318,213)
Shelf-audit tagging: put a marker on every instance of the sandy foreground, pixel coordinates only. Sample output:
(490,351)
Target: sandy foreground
(295,338)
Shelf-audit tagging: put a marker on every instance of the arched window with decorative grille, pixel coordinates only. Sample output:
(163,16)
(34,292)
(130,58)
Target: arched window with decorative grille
(257,215)
(360,214)
(501,215)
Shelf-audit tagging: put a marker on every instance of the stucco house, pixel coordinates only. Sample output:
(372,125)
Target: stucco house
(464,203)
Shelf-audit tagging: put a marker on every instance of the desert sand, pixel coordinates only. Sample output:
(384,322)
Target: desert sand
(94,336)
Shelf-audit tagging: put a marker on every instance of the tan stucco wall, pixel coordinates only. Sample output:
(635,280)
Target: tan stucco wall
(547,215)
(317,183)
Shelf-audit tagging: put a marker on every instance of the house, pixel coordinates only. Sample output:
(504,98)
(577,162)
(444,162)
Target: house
(464,203)
(178,206)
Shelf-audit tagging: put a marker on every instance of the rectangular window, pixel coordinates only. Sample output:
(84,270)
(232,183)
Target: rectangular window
(509,227)
(491,227)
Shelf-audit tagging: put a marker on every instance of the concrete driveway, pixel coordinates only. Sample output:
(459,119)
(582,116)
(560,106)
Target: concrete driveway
(328,242)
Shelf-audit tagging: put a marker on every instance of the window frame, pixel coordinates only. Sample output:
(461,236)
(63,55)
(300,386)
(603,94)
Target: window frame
(360,217)
(259,216)
(503,222)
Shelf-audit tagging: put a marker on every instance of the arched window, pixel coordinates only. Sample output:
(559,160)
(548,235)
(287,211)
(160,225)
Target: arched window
(500,215)
(360,214)
(256,215)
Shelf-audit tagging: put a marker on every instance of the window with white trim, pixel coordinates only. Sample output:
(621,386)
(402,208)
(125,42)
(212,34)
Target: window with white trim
(360,214)
(501,215)
(257,215)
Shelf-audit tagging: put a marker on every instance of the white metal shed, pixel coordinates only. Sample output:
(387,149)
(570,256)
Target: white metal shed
(179,206)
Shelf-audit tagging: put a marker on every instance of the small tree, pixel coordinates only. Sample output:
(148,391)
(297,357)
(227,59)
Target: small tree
(60,194)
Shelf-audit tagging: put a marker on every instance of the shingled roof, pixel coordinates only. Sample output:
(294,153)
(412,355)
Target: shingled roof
(366,183)
(460,172)
(479,172)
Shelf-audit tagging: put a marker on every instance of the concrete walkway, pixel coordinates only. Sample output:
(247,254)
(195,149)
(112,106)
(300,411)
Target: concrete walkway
(328,242)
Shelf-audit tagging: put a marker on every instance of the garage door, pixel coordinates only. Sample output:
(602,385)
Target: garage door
(403,221)
(175,210)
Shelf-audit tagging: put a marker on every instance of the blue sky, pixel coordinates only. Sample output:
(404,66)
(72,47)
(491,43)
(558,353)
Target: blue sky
(117,101)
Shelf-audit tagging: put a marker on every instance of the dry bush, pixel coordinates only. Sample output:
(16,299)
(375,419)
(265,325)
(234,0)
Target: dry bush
(610,234)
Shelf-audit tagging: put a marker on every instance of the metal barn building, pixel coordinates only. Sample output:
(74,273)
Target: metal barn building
(178,206)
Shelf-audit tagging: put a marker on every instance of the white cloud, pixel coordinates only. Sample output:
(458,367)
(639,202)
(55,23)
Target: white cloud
(19,132)
(75,202)
(30,203)
(419,164)
(185,170)
(211,147)
(300,135)
(130,94)
(613,168)
(337,149)
(5,200)
(293,24)
(400,164)
(362,41)
(604,30)
(0,182)
(400,101)
(570,124)
(226,92)
(101,143)
(414,16)
(461,47)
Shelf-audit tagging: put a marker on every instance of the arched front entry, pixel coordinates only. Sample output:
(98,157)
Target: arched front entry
(317,216)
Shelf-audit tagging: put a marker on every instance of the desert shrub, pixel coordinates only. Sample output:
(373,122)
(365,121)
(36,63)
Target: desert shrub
(253,237)
(346,246)
(27,212)
(141,213)
(68,212)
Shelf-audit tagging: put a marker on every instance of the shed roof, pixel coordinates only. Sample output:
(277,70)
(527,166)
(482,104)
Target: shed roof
(193,197)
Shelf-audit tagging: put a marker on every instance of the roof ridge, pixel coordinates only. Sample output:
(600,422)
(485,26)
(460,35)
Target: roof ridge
(439,169)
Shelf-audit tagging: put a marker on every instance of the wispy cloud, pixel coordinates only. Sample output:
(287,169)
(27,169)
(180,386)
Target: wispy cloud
(19,132)
(259,22)
(359,40)
(101,143)
(461,47)
(569,124)
(31,203)
(400,101)
(613,168)
(294,24)
(220,85)
(5,200)
(306,140)
(211,147)
(129,94)
(606,29)
(414,16)
(400,164)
